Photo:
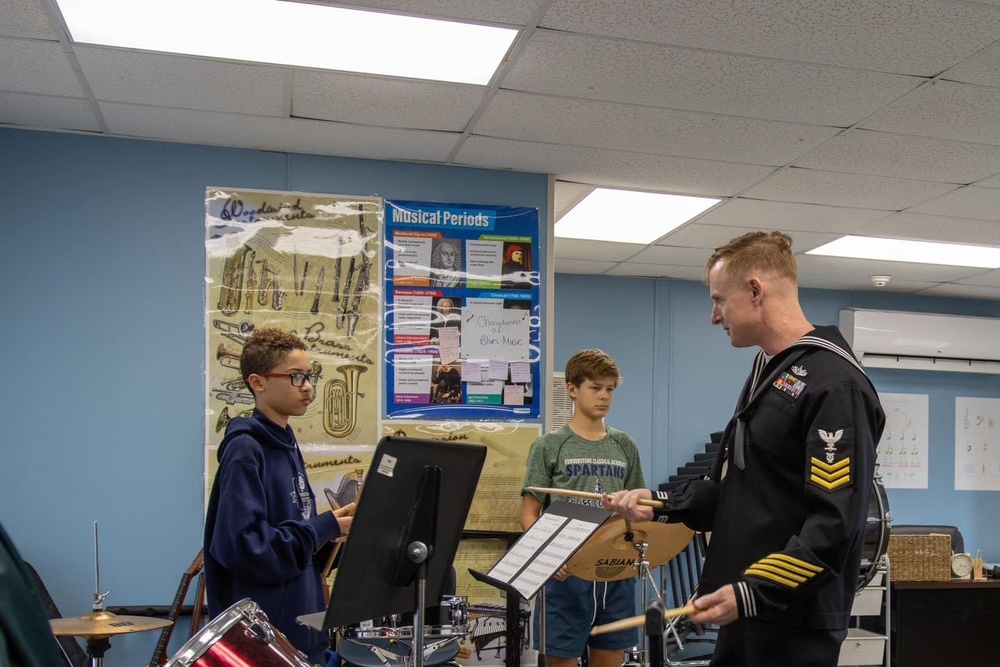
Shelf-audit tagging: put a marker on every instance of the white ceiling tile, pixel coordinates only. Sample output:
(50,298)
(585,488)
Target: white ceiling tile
(285,135)
(906,36)
(581,266)
(967,202)
(934,228)
(837,189)
(663,76)
(613,168)
(37,67)
(991,182)
(45,111)
(983,68)
(514,115)
(698,235)
(512,12)
(673,255)
(905,156)
(601,250)
(857,282)
(26,18)
(159,79)
(637,270)
(944,110)
(384,101)
(758,214)
(566,195)
(959,291)
(984,279)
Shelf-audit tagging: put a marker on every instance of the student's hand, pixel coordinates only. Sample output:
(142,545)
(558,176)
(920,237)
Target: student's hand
(562,574)
(345,517)
(627,504)
(717,607)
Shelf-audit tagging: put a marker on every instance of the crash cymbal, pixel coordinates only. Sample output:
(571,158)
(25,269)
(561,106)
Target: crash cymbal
(104,624)
(609,554)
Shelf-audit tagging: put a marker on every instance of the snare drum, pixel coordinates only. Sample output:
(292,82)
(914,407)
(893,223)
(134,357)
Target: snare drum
(877,529)
(239,636)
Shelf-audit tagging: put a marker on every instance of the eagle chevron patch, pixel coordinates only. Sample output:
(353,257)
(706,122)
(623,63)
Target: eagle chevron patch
(830,476)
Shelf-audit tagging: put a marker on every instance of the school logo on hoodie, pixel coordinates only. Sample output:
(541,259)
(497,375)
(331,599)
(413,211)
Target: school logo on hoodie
(301,497)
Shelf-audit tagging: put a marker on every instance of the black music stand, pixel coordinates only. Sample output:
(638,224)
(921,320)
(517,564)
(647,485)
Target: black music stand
(405,532)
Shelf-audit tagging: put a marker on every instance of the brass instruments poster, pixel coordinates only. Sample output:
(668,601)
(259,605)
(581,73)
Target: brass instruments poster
(307,263)
(496,505)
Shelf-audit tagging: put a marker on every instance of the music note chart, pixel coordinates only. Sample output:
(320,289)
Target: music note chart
(902,451)
(977,444)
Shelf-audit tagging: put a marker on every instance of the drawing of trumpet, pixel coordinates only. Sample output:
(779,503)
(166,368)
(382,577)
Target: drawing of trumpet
(340,402)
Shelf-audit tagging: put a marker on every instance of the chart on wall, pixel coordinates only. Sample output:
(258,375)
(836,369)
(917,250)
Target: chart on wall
(306,263)
(977,444)
(462,315)
(902,452)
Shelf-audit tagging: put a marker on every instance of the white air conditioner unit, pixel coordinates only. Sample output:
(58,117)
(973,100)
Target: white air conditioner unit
(923,341)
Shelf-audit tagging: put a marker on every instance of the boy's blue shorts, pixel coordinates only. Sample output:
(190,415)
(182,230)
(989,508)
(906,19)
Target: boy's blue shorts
(574,606)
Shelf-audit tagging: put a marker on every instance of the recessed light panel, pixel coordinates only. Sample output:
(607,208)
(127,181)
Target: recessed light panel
(918,252)
(295,34)
(626,216)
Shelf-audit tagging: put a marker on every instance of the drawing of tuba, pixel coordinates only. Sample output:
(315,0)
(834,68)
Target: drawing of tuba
(232,281)
(340,402)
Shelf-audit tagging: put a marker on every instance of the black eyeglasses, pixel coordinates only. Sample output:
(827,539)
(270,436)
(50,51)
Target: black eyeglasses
(297,379)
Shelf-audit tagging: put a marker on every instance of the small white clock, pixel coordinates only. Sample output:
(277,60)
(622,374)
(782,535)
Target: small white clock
(961,565)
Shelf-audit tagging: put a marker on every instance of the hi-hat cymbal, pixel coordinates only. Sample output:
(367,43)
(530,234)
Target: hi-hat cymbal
(609,554)
(104,624)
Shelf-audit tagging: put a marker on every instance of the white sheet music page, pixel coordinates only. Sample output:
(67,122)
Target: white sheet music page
(541,551)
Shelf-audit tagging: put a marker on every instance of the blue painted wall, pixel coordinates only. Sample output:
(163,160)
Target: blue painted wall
(102,326)
(682,377)
(102,391)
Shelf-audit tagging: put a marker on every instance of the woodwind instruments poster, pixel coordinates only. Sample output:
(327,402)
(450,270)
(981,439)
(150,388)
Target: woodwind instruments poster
(463,325)
(307,263)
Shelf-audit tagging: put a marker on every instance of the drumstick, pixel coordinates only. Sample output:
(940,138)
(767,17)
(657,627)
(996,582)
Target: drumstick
(636,621)
(586,494)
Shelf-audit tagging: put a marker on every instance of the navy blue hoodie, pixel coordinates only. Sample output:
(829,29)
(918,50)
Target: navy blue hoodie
(262,534)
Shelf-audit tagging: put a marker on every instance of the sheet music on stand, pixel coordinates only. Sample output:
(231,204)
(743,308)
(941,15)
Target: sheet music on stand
(551,541)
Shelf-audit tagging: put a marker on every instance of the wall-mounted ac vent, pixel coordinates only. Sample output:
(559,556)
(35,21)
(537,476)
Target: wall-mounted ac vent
(923,341)
(562,404)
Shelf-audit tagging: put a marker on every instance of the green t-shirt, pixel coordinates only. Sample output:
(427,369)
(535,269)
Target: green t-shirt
(564,460)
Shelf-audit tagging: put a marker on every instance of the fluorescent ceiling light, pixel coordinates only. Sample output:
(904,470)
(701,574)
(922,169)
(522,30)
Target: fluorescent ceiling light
(626,216)
(297,34)
(917,252)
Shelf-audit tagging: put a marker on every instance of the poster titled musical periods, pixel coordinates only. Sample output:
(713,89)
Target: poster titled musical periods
(977,444)
(462,311)
(902,452)
(307,263)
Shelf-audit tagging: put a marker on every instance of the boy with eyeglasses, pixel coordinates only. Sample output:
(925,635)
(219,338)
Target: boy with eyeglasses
(263,537)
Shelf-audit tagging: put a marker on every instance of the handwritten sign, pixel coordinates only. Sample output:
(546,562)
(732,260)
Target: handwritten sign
(495,334)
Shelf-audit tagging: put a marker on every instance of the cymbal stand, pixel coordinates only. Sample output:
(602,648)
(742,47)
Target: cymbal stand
(97,646)
(643,574)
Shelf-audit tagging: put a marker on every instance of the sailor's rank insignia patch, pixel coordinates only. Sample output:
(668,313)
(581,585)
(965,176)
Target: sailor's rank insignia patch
(830,476)
(789,384)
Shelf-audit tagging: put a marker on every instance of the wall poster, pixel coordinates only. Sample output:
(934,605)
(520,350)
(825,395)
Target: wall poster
(977,444)
(462,314)
(307,263)
(902,453)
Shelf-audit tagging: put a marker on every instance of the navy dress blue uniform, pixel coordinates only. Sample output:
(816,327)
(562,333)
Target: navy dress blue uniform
(786,503)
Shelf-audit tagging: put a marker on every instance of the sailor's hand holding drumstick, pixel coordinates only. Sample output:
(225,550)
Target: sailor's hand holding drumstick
(718,607)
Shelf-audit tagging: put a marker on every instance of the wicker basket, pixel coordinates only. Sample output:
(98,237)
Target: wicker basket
(920,557)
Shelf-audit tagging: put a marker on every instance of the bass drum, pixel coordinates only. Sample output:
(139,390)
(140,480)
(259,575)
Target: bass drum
(877,529)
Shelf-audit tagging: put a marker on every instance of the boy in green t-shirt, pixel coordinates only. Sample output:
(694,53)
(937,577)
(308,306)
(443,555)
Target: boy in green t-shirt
(584,455)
